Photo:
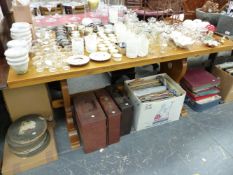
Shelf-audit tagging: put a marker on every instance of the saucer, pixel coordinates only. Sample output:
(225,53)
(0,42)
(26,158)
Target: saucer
(78,60)
(100,56)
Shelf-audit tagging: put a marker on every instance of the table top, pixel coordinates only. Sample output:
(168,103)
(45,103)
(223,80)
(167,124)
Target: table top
(32,77)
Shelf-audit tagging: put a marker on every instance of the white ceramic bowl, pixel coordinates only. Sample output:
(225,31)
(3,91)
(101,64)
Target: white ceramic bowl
(17,43)
(22,34)
(22,37)
(16,52)
(19,30)
(17,60)
(20,68)
(21,25)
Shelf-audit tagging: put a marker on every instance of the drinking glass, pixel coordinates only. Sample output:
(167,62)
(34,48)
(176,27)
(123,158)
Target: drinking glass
(113,14)
(77,46)
(163,41)
(93,5)
(91,43)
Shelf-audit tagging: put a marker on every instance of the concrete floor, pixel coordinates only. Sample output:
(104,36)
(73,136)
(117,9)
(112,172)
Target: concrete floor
(201,144)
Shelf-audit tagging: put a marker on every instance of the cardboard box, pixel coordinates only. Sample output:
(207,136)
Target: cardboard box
(28,100)
(149,114)
(22,13)
(13,164)
(226,84)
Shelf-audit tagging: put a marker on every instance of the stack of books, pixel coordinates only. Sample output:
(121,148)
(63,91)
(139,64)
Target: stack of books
(202,89)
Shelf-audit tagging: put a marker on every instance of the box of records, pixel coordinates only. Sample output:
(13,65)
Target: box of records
(224,71)
(157,99)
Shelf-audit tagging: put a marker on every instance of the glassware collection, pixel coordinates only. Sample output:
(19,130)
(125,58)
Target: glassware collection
(123,35)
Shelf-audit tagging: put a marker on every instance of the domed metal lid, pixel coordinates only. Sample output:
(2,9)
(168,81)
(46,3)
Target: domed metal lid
(27,129)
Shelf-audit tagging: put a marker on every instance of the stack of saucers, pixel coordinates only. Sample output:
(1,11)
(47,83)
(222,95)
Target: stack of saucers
(22,31)
(17,58)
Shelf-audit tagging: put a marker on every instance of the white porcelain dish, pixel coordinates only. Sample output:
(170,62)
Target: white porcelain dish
(117,56)
(78,60)
(100,56)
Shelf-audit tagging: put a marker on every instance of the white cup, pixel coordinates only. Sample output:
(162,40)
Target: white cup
(77,46)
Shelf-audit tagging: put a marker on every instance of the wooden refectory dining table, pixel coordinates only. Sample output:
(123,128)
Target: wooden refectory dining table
(173,62)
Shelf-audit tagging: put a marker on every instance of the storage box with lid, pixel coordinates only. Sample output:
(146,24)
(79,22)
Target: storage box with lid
(152,113)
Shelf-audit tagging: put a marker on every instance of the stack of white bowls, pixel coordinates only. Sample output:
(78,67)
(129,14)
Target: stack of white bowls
(22,31)
(17,55)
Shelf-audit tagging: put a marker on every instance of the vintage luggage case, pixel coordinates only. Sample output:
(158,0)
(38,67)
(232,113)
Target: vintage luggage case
(91,121)
(125,106)
(113,115)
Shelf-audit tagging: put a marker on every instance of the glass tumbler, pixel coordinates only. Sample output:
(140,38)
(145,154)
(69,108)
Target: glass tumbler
(77,46)
(91,43)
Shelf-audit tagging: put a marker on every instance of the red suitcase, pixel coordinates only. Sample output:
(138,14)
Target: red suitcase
(113,115)
(125,106)
(91,121)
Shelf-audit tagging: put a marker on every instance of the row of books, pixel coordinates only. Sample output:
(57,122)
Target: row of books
(201,88)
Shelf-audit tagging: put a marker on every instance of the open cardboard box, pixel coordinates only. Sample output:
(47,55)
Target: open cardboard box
(226,84)
(28,100)
(13,164)
(153,113)
(23,14)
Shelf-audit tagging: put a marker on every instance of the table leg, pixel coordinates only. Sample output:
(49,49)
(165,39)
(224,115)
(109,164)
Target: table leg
(211,58)
(72,132)
(175,69)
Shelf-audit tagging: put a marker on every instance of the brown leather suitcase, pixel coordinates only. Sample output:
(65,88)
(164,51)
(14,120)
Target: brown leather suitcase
(91,121)
(125,106)
(113,114)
